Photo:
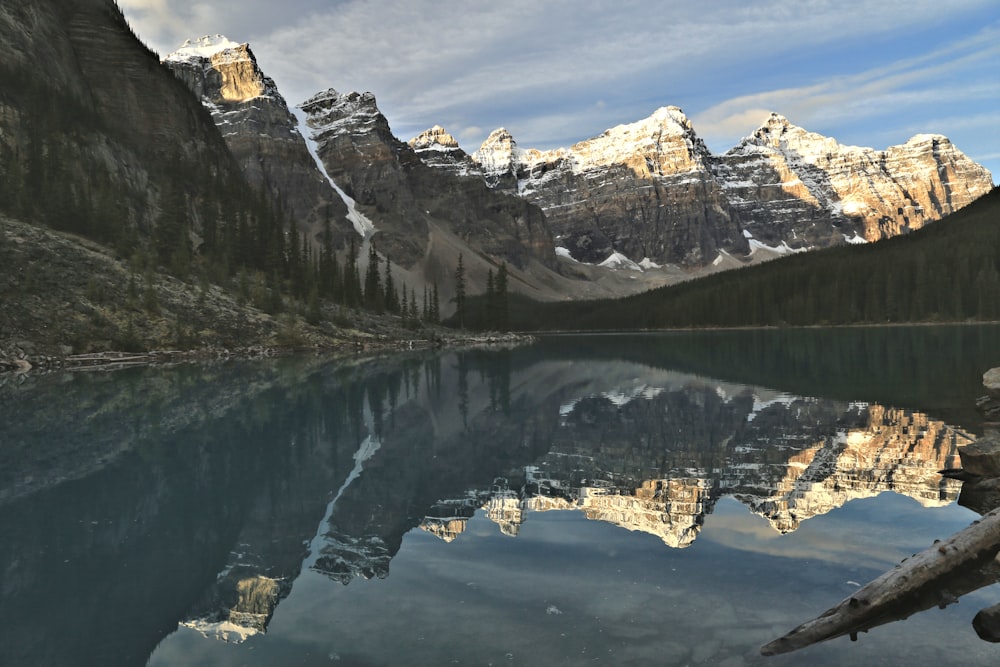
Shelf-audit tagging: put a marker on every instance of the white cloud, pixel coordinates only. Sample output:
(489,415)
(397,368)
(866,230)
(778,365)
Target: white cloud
(929,81)
(538,67)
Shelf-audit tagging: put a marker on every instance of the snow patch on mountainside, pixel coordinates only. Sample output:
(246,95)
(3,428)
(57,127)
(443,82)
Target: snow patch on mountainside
(620,261)
(362,224)
(564,252)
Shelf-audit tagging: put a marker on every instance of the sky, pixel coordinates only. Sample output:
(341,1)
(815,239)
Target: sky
(554,72)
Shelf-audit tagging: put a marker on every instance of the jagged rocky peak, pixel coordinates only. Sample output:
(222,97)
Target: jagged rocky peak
(228,69)
(779,133)
(496,154)
(950,179)
(439,149)
(435,138)
(664,122)
(332,112)
(259,129)
(854,192)
(662,144)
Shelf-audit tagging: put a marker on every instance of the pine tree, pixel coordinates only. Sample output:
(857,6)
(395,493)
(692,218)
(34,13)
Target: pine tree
(489,303)
(327,262)
(353,297)
(435,317)
(502,301)
(374,297)
(391,297)
(294,261)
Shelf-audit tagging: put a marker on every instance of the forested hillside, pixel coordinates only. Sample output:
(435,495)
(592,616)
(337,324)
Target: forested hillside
(946,272)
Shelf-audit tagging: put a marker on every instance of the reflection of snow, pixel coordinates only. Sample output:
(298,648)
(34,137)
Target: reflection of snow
(369,446)
(618,396)
(760,404)
(226,631)
(362,225)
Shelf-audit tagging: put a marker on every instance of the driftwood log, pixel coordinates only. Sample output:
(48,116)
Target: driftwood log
(939,575)
(936,576)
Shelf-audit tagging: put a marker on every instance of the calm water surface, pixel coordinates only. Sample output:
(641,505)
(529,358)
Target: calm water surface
(672,499)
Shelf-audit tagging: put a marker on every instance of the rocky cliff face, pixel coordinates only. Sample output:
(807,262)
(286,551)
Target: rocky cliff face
(644,190)
(439,149)
(259,129)
(99,143)
(652,190)
(408,202)
(805,189)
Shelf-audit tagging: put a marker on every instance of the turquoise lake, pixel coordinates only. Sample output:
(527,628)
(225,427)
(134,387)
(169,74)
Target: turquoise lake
(618,499)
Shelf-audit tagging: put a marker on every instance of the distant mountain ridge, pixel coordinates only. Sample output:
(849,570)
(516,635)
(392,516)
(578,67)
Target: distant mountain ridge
(652,189)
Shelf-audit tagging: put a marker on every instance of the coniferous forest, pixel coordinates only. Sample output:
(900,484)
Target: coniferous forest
(948,271)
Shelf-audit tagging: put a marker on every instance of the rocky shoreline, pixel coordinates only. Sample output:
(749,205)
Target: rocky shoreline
(20,359)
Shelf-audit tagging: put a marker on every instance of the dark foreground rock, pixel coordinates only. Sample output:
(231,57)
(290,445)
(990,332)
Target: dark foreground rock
(987,624)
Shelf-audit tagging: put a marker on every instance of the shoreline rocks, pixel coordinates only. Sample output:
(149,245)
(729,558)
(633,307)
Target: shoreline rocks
(17,362)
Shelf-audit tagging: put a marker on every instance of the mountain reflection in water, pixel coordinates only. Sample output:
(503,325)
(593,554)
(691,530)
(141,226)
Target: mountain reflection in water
(793,459)
(203,495)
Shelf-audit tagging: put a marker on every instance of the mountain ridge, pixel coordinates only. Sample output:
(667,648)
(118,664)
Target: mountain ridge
(781,185)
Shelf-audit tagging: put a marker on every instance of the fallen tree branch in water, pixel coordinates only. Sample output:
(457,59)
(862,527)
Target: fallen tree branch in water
(936,576)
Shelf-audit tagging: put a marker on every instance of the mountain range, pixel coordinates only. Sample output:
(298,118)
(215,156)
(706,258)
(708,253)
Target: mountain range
(195,166)
(652,191)
(647,196)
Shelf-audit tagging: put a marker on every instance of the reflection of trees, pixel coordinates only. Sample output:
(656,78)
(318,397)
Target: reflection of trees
(436,445)
(237,454)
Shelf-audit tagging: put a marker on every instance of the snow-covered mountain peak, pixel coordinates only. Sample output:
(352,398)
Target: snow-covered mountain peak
(664,143)
(663,125)
(669,117)
(202,48)
(780,134)
(500,136)
(920,139)
(499,154)
(220,70)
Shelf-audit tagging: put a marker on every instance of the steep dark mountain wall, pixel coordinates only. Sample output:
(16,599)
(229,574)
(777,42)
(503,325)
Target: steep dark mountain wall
(96,137)
(406,199)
